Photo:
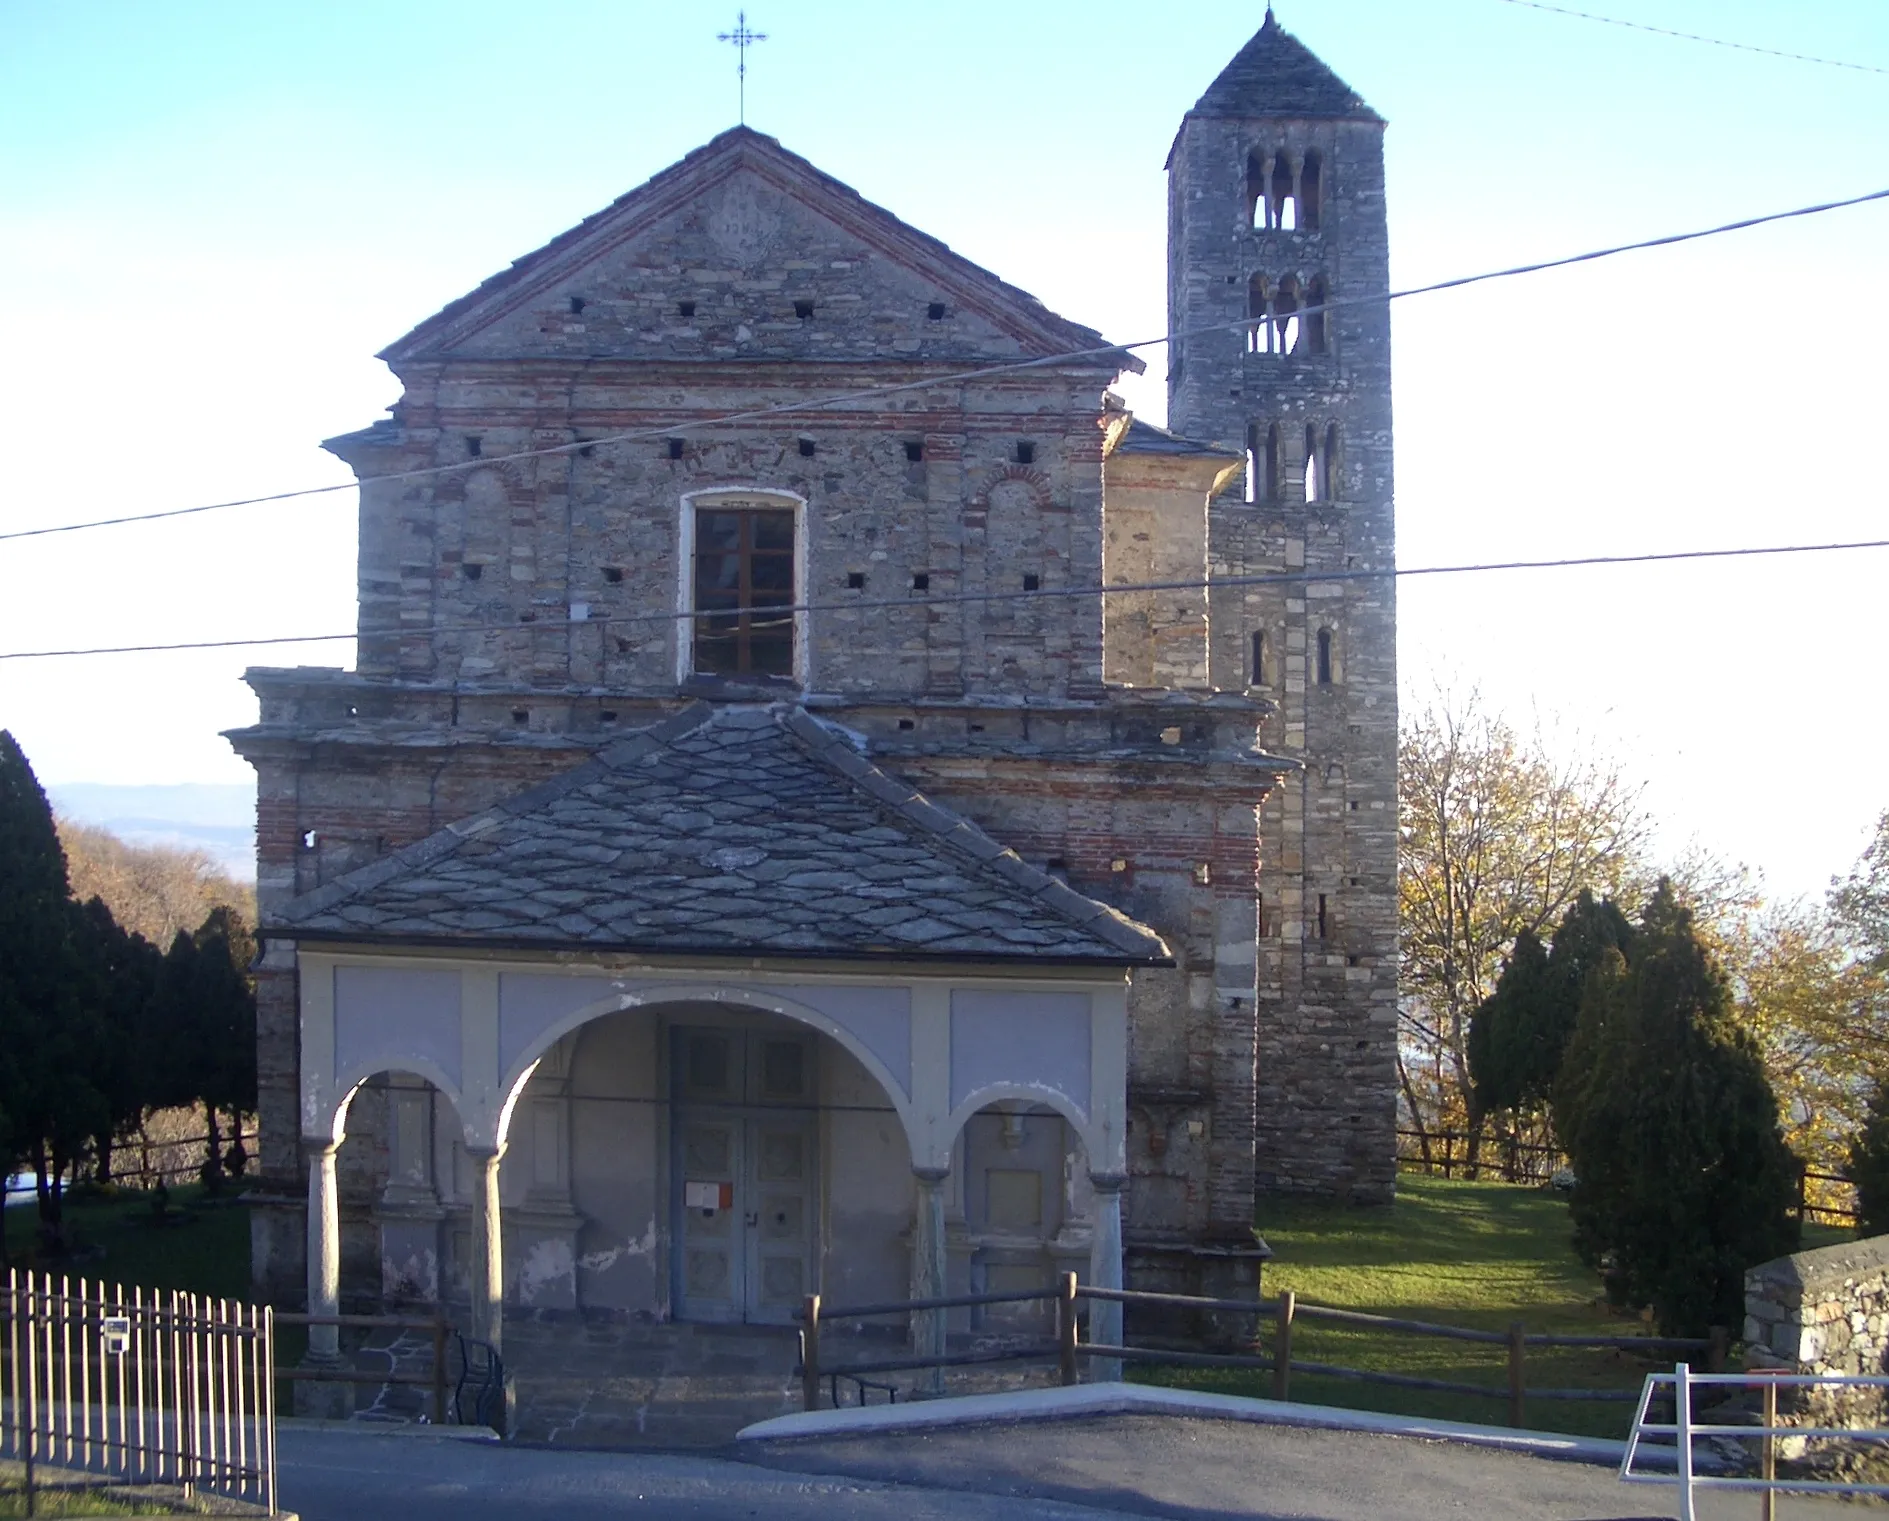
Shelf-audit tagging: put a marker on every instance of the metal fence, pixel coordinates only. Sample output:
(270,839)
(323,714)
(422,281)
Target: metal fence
(138,1386)
(1673,1440)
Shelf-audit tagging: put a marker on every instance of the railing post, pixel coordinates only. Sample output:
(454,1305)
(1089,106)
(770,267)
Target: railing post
(439,1370)
(1682,1434)
(1517,1349)
(29,1448)
(810,1354)
(1282,1346)
(1066,1327)
(1767,1453)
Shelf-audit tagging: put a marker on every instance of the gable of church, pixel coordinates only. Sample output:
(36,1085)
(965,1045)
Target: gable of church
(745,252)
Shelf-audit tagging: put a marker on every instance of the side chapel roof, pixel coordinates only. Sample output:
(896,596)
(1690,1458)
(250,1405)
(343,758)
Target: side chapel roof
(726,831)
(1275,74)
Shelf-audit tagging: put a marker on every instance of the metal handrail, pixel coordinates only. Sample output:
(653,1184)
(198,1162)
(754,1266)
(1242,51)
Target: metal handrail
(1685,1431)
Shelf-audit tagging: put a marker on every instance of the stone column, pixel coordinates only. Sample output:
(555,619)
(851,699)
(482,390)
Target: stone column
(928,1272)
(332,1401)
(1105,1272)
(488,1249)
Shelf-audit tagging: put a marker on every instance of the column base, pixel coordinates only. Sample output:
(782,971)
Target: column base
(324,1400)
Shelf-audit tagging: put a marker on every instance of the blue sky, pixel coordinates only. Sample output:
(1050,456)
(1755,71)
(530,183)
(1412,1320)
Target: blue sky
(211,216)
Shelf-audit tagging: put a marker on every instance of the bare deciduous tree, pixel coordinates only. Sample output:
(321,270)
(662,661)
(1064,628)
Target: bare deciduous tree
(1500,831)
(153,890)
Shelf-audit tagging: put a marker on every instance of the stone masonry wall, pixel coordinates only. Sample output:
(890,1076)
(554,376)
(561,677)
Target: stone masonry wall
(1824,1311)
(1328,947)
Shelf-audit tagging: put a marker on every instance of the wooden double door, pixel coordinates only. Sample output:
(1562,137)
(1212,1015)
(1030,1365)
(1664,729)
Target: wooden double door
(744,1187)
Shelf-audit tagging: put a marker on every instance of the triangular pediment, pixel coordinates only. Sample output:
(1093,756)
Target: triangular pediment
(732,831)
(746,252)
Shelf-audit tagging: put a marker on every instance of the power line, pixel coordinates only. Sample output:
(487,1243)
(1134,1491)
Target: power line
(1208,584)
(1717,42)
(961,377)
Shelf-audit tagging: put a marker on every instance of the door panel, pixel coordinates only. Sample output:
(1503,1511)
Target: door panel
(745,1157)
(711,1244)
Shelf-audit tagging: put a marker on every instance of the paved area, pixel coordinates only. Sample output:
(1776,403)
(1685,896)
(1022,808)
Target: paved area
(1087,1470)
(596,1383)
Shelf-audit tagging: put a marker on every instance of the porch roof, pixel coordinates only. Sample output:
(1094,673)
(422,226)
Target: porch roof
(723,831)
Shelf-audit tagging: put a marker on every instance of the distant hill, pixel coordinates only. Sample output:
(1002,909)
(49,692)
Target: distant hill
(216,818)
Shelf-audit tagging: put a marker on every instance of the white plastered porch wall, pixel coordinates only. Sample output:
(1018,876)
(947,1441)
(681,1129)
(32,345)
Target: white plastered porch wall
(942,1043)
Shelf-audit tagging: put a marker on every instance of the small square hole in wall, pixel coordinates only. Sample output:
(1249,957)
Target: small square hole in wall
(585,451)
(475,446)
(1056,863)
(1032,581)
(353,712)
(855,580)
(1354,807)
(674,446)
(521,715)
(1026,454)
(974,728)
(906,725)
(807,448)
(804,310)
(1118,865)
(921,580)
(685,308)
(935,312)
(914,450)
(472,572)
(309,839)
(607,716)
(613,574)
(1170,736)
(1203,874)
(577,306)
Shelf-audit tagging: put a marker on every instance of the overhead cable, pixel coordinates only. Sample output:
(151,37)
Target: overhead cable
(1717,42)
(962,377)
(1207,584)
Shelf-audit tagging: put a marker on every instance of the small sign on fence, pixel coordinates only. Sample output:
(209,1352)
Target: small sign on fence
(117,1334)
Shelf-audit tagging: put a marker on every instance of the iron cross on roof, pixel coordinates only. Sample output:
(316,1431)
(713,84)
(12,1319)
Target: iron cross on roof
(743,38)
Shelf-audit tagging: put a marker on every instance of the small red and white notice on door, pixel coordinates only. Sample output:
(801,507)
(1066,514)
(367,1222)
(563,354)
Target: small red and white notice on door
(708,1195)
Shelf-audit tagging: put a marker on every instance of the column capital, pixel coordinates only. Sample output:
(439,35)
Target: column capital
(487,1154)
(932,1177)
(319,1147)
(1108,1182)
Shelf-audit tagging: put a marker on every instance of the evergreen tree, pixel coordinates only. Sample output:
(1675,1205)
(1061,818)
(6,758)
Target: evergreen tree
(120,982)
(49,1041)
(204,1024)
(1683,1178)
(1868,1166)
(1521,1032)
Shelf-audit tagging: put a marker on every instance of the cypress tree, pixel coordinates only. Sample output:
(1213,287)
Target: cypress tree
(1684,1181)
(49,1045)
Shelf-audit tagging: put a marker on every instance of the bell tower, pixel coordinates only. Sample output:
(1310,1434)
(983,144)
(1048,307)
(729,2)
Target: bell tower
(1277,241)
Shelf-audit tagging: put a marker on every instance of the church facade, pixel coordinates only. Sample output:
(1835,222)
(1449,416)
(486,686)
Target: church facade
(749,858)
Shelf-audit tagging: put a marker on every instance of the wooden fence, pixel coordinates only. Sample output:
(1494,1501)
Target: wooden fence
(1284,1313)
(138,1386)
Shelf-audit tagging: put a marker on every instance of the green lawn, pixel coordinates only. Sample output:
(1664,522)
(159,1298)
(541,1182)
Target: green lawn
(1468,1254)
(205,1248)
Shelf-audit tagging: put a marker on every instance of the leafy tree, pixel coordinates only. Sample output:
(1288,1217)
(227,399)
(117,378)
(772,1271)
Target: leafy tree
(1672,1128)
(1868,1165)
(1861,900)
(1499,835)
(152,890)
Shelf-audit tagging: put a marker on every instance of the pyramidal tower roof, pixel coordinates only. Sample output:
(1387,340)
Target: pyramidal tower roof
(1277,75)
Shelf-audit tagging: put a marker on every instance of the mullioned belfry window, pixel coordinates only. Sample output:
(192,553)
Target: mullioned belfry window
(1283,190)
(744,593)
(1282,318)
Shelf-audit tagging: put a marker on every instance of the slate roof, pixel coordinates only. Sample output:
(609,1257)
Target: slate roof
(1275,74)
(1145,438)
(725,831)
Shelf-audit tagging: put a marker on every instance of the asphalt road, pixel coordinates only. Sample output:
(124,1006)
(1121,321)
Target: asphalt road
(1081,1470)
